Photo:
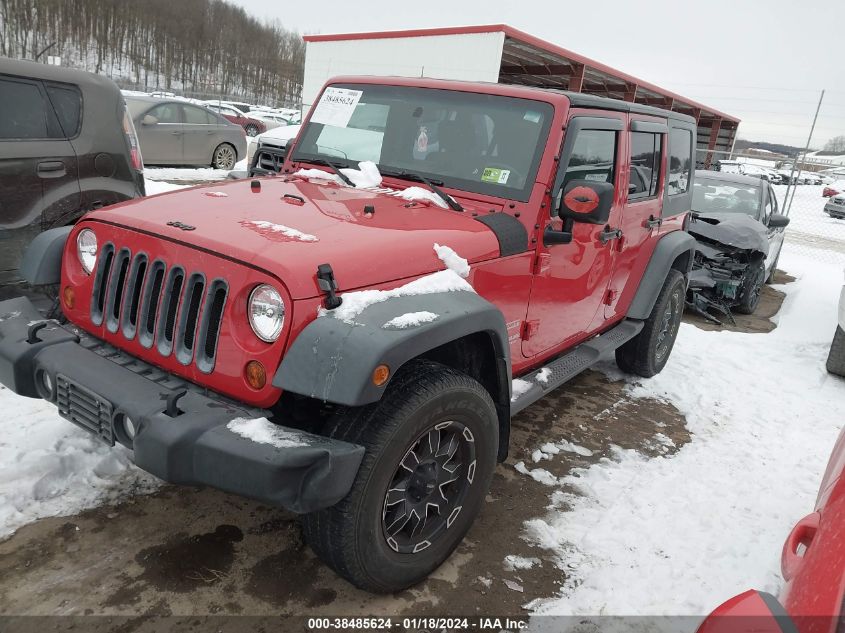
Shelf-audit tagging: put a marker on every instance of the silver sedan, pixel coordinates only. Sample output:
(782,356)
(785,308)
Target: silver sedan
(175,132)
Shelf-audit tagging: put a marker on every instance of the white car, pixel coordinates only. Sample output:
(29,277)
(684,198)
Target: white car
(271,117)
(836,357)
(266,151)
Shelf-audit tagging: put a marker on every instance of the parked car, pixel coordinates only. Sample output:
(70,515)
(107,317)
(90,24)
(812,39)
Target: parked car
(174,132)
(811,178)
(66,147)
(836,356)
(268,150)
(835,206)
(238,105)
(271,117)
(348,352)
(251,125)
(812,564)
(837,186)
(739,235)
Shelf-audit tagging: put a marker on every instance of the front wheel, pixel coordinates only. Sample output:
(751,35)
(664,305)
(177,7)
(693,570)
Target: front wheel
(751,287)
(431,446)
(646,354)
(224,157)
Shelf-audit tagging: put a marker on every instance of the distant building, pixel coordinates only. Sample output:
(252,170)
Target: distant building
(824,161)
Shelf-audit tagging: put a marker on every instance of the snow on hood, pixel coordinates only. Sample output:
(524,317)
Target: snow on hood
(365,177)
(449,280)
(731,229)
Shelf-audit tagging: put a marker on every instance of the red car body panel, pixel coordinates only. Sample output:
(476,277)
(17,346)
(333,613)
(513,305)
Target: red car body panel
(829,191)
(812,563)
(244,121)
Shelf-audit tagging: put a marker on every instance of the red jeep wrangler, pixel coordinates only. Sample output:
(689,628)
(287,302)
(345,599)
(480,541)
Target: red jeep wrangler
(327,348)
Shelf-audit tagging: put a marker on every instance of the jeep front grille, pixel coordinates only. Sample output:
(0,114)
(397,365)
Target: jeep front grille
(166,308)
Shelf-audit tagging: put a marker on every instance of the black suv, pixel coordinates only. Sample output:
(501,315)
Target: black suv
(66,147)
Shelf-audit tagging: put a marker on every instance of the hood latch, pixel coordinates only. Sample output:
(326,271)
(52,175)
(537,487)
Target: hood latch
(328,284)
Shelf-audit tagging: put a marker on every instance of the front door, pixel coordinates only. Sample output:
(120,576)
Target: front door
(570,281)
(199,130)
(161,141)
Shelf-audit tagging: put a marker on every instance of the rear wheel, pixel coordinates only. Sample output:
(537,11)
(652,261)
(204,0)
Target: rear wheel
(646,354)
(431,446)
(751,287)
(224,157)
(836,357)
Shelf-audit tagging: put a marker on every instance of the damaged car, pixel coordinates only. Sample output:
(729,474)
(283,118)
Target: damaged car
(739,234)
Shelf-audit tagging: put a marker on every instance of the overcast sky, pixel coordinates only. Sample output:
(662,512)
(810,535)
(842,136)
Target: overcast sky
(764,61)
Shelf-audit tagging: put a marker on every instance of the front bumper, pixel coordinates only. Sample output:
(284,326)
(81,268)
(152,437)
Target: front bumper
(187,441)
(835,210)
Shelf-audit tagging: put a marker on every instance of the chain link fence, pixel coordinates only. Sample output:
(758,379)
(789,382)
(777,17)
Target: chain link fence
(799,194)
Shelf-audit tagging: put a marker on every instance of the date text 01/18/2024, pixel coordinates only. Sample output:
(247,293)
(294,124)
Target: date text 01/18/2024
(417,624)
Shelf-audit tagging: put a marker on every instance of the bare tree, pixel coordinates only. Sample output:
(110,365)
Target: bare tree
(836,144)
(196,46)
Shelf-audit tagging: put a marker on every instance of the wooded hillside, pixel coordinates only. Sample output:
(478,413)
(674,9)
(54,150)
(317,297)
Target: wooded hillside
(205,47)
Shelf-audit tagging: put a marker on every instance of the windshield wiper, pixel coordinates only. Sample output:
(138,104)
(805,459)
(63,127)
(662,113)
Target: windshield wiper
(406,175)
(333,167)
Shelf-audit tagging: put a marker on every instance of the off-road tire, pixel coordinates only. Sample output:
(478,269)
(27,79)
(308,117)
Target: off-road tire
(224,157)
(646,354)
(751,287)
(836,357)
(350,537)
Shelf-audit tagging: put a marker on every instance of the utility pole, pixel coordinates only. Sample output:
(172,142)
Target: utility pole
(803,158)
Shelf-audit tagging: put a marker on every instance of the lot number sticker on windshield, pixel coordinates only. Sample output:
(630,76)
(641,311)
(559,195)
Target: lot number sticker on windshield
(336,106)
(494,175)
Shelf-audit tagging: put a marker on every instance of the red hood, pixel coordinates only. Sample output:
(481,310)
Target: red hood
(328,226)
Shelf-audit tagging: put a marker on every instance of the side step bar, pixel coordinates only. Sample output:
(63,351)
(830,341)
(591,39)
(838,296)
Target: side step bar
(566,367)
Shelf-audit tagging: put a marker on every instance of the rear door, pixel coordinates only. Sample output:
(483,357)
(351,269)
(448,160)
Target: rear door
(199,129)
(640,218)
(39,182)
(570,281)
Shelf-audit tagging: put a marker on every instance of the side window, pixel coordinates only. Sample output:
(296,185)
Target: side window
(771,205)
(593,157)
(680,161)
(196,116)
(67,103)
(645,165)
(24,111)
(166,113)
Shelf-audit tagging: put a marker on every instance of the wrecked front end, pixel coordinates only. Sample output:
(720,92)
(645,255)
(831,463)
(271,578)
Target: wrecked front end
(729,267)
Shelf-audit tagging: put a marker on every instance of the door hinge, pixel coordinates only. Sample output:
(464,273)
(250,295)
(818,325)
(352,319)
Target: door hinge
(542,263)
(529,329)
(609,234)
(610,297)
(653,222)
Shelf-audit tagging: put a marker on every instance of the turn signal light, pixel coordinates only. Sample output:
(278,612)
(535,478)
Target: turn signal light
(69,297)
(380,375)
(256,376)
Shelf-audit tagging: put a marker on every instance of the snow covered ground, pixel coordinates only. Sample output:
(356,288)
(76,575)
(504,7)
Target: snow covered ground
(680,534)
(189,174)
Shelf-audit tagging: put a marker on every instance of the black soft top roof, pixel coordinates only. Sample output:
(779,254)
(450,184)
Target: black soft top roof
(581,100)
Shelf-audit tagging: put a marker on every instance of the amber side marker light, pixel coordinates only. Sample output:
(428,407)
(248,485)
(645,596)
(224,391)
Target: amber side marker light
(255,374)
(69,297)
(380,375)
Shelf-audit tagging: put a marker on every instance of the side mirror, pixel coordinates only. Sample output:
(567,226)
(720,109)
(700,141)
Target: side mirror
(778,221)
(586,201)
(149,119)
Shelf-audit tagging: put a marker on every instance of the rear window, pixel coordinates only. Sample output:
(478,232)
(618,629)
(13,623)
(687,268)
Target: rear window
(680,161)
(67,103)
(24,112)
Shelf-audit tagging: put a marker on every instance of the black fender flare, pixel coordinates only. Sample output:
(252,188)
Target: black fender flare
(677,246)
(333,360)
(42,261)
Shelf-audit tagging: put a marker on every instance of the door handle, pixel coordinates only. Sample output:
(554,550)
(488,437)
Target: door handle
(176,133)
(51,169)
(609,234)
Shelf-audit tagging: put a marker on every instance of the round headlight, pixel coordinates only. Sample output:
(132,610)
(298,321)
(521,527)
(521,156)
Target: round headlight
(266,312)
(86,249)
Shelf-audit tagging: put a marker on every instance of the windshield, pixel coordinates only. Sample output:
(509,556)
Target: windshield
(718,196)
(475,142)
